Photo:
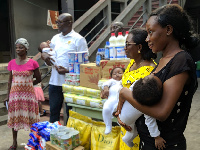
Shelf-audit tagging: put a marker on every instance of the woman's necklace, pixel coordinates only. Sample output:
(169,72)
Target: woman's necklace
(137,66)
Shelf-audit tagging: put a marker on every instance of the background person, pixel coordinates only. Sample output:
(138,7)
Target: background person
(66,41)
(117,27)
(22,106)
(169,27)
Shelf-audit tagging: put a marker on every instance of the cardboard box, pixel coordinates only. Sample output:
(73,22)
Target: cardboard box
(79,148)
(108,65)
(90,74)
(50,146)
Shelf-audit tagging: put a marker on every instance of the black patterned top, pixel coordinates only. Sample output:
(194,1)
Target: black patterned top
(173,127)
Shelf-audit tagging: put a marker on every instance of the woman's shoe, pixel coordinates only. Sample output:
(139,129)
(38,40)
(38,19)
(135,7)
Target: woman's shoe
(43,114)
(12,148)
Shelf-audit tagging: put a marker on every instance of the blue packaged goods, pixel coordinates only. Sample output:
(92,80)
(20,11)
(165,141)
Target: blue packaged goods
(33,144)
(78,57)
(71,68)
(33,136)
(77,68)
(85,57)
(71,57)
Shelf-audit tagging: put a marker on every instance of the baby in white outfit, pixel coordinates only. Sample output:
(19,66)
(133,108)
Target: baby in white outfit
(146,91)
(48,48)
(112,86)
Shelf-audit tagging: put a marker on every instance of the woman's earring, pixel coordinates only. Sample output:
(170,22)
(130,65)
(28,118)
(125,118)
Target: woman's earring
(138,52)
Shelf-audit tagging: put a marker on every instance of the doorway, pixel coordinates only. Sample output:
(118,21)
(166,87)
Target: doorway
(5,44)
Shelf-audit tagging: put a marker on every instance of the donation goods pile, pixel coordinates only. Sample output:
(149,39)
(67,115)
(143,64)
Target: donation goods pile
(82,96)
(63,137)
(75,60)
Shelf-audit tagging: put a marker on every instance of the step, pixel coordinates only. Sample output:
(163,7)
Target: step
(3,110)
(4,75)
(46,79)
(3,66)
(3,120)
(44,70)
(3,95)
(3,85)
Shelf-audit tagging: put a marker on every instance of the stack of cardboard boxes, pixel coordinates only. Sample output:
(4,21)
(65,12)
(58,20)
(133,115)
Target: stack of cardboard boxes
(90,74)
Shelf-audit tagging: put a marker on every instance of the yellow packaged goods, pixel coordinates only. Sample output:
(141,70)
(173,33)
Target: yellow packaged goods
(69,98)
(80,90)
(79,116)
(90,74)
(100,83)
(94,102)
(107,66)
(81,100)
(93,93)
(123,145)
(84,125)
(67,88)
(100,141)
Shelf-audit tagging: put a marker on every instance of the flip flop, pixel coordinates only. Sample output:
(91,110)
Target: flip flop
(43,114)
(12,148)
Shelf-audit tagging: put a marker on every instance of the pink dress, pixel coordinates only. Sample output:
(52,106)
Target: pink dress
(23,108)
(39,94)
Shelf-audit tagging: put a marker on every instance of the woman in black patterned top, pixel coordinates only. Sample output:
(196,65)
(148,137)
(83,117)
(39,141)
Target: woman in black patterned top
(169,29)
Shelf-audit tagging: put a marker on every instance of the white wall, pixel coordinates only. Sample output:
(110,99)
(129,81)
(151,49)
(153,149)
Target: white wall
(30,21)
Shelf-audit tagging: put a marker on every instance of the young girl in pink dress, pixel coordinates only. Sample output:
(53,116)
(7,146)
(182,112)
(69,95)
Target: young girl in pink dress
(22,105)
(39,94)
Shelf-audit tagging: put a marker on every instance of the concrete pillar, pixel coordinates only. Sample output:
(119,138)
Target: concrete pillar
(68,6)
(123,5)
(147,6)
(107,13)
(162,2)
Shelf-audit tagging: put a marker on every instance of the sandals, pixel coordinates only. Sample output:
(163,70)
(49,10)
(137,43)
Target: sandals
(12,148)
(43,114)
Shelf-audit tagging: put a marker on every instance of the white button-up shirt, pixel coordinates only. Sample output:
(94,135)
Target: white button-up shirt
(72,42)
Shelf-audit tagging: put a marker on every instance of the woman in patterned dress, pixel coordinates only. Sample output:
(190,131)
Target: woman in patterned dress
(22,106)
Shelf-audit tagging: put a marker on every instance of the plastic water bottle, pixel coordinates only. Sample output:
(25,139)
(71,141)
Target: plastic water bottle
(107,51)
(125,42)
(120,47)
(126,35)
(102,53)
(98,57)
(112,49)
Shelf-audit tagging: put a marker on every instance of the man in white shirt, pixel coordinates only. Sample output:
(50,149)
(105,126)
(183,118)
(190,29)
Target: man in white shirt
(66,41)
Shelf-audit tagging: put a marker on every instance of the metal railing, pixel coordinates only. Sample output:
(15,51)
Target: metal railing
(138,20)
(94,29)
(45,77)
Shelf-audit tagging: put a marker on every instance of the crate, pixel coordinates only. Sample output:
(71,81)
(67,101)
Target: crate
(50,146)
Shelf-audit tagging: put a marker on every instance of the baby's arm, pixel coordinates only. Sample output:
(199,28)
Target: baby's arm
(105,87)
(154,132)
(159,142)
